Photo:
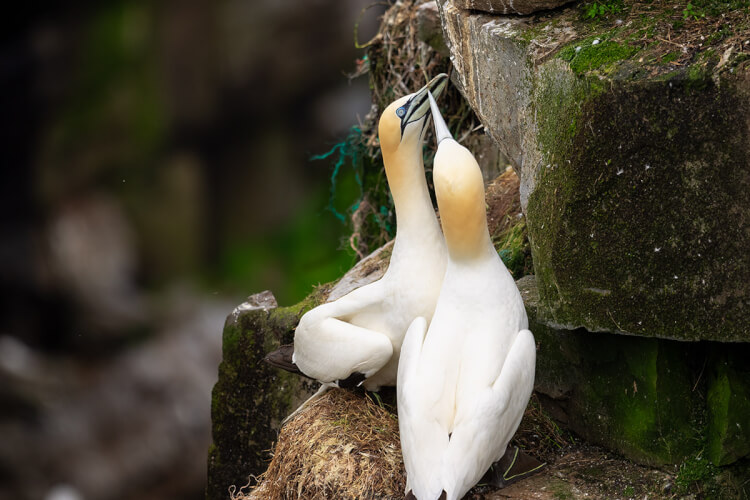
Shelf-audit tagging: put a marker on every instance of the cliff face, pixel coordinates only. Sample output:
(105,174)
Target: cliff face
(634,171)
(629,134)
(629,129)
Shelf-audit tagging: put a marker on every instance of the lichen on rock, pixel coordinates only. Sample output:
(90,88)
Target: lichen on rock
(634,172)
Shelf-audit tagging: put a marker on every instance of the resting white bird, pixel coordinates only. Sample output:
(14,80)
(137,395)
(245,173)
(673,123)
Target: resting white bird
(358,337)
(464,381)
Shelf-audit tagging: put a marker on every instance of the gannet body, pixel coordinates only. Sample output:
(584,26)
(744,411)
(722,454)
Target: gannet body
(464,380)
(359,336)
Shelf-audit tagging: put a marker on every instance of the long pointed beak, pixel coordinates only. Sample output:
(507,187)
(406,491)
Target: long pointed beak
(441,129)
(419,104)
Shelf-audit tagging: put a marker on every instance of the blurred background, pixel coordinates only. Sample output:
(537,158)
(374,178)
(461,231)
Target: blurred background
(156,170)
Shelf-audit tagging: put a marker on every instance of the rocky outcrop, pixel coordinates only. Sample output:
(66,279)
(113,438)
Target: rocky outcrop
(643,397)
(656,401)
(633,159)
(634,170)
(509,6)
(251,398)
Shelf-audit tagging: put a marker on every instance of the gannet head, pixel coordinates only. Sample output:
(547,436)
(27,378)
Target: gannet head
(403,122)
(459,189)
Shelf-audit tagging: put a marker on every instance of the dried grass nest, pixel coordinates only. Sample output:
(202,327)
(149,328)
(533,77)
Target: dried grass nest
(342,446)
(346,446)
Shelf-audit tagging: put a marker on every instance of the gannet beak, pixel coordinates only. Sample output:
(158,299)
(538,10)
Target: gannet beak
(441,129)
(418,104)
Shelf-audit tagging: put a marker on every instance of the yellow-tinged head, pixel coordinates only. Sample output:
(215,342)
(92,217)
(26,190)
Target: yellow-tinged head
(459,189)
(403,122)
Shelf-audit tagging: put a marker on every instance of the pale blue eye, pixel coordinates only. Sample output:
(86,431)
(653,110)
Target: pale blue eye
(400,112)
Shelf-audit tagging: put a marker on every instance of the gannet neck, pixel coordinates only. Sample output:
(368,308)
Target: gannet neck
(459,188)
(404,169)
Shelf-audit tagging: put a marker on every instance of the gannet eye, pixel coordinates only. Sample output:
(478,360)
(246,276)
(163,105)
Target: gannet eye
(400,112)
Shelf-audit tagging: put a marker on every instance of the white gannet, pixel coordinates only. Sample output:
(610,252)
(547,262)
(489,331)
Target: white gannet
(464,380)
(358,337)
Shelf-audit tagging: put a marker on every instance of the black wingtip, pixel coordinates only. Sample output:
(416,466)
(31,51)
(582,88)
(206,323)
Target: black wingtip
(282,358)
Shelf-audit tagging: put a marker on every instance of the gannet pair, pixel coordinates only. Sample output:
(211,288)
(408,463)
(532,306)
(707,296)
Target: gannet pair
(464,381)
(358,337)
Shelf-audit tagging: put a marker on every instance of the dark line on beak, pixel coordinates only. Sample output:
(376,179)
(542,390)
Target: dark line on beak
(413,105)
(424,125)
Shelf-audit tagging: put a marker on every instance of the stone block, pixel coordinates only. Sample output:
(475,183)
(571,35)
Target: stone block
(510,6)
(728,403)
(656,401)
(635,178)
(630,394)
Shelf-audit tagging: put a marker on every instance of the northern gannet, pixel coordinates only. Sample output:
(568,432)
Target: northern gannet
(464,380)
(358,337)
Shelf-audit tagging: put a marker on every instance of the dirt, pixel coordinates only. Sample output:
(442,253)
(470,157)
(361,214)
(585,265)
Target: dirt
(585,471)
(575,469)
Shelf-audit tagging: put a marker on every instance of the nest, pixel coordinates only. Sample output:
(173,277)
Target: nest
(398,63)
(341,446)
(345,446)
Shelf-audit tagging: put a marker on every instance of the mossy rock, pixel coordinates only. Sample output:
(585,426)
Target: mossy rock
(729,406)
(656,401)
(251,398)
(642,210)
(635,173)
(629,394)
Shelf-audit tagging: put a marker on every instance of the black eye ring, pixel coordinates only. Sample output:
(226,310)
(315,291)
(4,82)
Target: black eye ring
(400,112)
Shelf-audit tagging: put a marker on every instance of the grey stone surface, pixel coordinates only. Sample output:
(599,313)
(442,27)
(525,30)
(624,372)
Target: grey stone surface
(638,211)
(367,270)
(509,6)
(656,401)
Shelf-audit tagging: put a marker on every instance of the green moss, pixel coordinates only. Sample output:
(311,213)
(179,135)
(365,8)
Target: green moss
(715,8)
(561,490)
(595,54)
(669,57)
(697,473)
(618,221)
(634,395)
(719,395)
(728,404)
(697,77)
(513,248)
(250,398)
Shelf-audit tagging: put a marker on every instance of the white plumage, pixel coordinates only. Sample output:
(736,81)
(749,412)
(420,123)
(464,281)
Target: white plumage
(362,332)
(464,381)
